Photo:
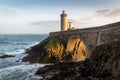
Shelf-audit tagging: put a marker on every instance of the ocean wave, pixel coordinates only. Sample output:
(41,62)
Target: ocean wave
(15,42)
(17,72)
(22,50)
(33,44)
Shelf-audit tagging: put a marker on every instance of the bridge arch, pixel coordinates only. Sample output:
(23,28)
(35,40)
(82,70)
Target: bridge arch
(77,47)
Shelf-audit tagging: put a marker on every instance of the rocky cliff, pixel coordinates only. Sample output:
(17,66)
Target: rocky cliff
(54,49)
(106,60)
(104,64)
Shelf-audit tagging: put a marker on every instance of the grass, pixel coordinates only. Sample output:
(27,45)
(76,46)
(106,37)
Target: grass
(53,42)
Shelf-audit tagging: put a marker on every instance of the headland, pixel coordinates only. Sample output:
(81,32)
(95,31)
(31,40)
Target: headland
(86,54)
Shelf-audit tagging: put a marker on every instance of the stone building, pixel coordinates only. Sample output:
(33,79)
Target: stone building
(64,24)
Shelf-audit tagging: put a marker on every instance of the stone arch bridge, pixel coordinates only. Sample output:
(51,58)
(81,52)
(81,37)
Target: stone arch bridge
(92,36)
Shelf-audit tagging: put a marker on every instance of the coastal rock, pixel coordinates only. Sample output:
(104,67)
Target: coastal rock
(75,50)
(104,64)
(65,71)
(49,50)
(53,50)
(6,56)
(106,60)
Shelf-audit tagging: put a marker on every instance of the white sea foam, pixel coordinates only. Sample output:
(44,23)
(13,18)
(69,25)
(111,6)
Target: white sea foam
(9,70)
(16,52)
(35,43)
(34,77)
(20,51)
(18,70)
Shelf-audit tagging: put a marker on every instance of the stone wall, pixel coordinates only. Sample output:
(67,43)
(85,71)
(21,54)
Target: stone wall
(109,36)
(89,38)
(92,36)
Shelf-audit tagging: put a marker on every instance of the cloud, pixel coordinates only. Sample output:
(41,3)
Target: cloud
(13,10)
(102,12)
(52,23)
(109,13)
(71,20)
(46,26)
(114,13)
(10,9)
(45,23)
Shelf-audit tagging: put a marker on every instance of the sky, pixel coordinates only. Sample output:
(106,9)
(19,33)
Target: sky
(43,16)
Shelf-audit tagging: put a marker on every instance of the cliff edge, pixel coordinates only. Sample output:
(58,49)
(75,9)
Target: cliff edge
(52,50)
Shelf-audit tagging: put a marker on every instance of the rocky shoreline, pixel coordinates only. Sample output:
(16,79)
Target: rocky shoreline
(64,71)
(104,64)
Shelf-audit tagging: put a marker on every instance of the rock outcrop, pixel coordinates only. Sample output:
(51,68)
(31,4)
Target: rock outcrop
(6,56)
(54,49)
(76,50)
(106,60)
(65,71)
(104,64)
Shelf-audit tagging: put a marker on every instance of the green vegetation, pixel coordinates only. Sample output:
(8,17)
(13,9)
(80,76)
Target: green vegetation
(53,42)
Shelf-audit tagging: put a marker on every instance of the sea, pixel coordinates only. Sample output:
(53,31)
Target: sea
(13,68)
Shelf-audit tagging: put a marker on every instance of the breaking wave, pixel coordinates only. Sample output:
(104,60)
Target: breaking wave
(19,72)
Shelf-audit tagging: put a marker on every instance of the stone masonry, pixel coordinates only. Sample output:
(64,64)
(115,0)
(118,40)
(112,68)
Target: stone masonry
(92,36)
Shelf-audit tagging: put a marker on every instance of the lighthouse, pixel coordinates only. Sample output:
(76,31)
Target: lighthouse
(63,21)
